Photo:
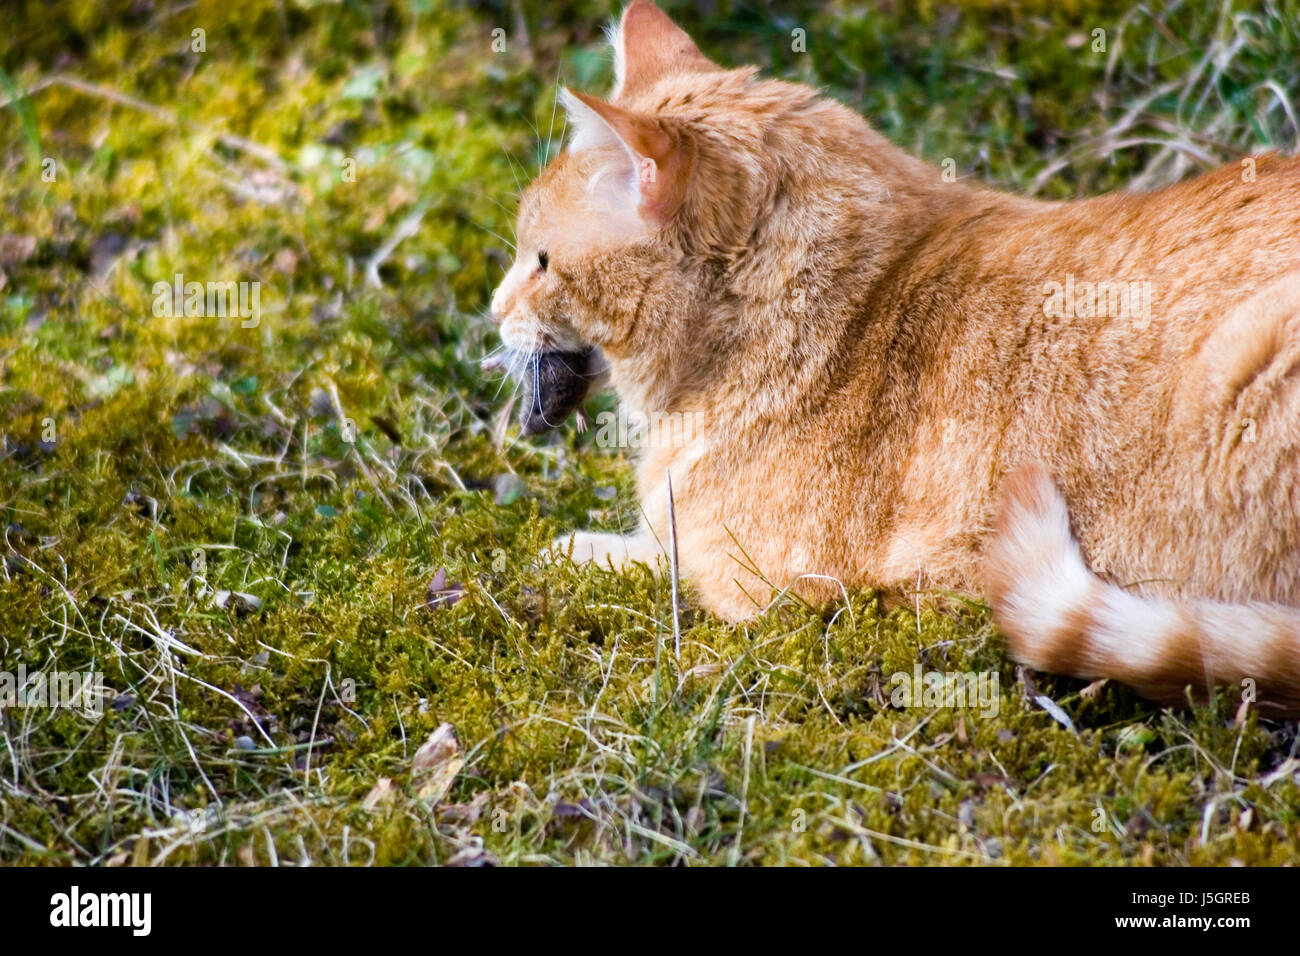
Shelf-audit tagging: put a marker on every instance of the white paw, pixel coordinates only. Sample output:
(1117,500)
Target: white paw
(585,547)
(603,549)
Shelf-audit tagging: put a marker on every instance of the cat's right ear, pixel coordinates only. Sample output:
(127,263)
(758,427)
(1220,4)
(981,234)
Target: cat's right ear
(652,160)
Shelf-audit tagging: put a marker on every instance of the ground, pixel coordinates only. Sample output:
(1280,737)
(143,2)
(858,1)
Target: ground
(297,541)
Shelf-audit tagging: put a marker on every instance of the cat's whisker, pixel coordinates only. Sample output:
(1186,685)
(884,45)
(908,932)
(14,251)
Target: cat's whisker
(492,232)
(510,213)
(516,166)
(511,363)
(537,137)
(537,395)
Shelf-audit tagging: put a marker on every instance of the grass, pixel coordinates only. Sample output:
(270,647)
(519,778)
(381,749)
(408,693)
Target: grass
(347,466)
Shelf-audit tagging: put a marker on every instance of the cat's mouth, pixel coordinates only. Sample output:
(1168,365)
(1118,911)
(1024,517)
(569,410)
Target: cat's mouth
(554,384)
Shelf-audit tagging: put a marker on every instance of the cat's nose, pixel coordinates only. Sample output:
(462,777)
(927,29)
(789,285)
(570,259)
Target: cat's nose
(494,308)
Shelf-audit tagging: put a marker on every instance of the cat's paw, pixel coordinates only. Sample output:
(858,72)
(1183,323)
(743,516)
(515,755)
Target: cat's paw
(589,547)
(604,549)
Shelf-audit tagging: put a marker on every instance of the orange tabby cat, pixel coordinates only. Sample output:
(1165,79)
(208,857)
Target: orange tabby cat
(1087,411)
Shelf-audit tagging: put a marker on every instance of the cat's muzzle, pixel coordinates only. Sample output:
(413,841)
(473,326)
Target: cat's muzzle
(555,383)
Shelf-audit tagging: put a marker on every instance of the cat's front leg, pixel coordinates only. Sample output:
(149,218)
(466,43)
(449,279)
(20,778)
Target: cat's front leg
(618,550)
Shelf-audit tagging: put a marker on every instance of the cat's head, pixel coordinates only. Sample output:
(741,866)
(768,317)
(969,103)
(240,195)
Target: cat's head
(655,176)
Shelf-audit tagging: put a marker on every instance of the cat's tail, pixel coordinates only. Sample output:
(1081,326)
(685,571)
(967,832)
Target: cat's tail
(1060,617)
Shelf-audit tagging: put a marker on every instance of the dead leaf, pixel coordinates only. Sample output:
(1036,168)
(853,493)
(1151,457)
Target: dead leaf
(1243,712)
(703,670)
(502,422)
(1058,715)
(987,781)
(472,856)
(285,262)
(1026,680)
(381,793)
(1093,690)
(15,250)
(237,601)
(442,593)
(465,814)
(436,764)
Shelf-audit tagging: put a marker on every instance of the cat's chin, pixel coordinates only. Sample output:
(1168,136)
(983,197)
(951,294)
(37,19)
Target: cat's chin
(554,384)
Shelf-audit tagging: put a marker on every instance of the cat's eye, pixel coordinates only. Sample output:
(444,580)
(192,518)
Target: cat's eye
(542,260)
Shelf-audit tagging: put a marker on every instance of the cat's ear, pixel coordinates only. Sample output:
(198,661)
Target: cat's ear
(648,46)
(654,161)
